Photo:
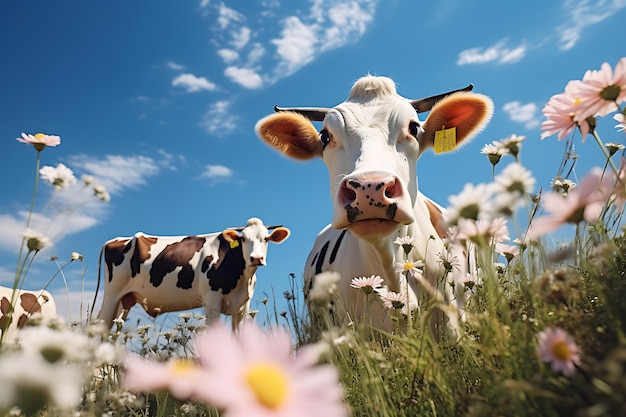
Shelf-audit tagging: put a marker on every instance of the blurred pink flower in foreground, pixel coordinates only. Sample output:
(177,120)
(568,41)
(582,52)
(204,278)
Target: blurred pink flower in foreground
(584,202)
(40,140)
(256,373)
(178,376)
(557,348)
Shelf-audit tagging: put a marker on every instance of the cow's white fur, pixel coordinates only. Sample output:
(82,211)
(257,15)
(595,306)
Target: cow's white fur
(168,297)
(47,309)
(370,142)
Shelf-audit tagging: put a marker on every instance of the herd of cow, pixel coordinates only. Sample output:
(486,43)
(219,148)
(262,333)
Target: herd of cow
(370,144)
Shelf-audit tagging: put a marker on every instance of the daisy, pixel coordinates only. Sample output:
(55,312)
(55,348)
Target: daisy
(101,193)
(470,281)
(613,147)
(508,251)
(600,91)
(324,286)
(40,140)
(583,203)
(55,345)
(449,261)
(494,153)
(35,241)
(410,267)
(513,144)
(255,373)
(559,112)
(562,186)
(483,231)
(556,347)
(473,202)
(621,122)
(514,179)
(367,284)
(392,300)
(60,177)
(406,242)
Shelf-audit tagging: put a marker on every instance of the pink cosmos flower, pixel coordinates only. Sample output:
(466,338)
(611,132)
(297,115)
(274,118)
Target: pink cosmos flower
(483,231)
(178,376)
(557,348)
(621,119)
(508,251)
(393,300)
(560,112)
(600,91)
(367,284)
(584,202)
(40,140)
(255,373)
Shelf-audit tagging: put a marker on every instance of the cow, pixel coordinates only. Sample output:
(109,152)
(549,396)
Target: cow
(26,304)
(370,144)
(174,273)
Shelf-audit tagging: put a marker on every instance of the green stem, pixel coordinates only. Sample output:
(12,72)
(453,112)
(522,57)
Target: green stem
(605,152)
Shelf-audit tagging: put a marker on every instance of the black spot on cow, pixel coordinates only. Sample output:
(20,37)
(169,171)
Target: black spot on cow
(352,212)
(206,263)
(175,255)
(114,254)
(333,253)
(314,259)
(391,211)
(225,273)
(321,258)
(141,253)
(355,184)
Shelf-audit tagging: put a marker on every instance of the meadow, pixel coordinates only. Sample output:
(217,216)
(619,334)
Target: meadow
(543,329)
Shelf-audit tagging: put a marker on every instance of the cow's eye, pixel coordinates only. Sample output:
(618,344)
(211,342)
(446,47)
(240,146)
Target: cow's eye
(414,128)
(325,138)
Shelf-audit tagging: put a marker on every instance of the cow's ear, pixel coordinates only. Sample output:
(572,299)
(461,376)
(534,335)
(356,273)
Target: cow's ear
(469,113)
(279,234)
(230,235)
(291,133)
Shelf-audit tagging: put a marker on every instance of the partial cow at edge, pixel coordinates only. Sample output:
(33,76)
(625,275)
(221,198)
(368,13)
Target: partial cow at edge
(370,144)
(174,273)
(26,305)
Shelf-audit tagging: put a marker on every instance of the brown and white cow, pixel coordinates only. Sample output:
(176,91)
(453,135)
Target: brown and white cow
(174,273)
(26,304)
(370,144)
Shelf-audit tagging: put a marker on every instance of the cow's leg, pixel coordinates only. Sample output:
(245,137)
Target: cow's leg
(110,309)
(212,307)
(241,315)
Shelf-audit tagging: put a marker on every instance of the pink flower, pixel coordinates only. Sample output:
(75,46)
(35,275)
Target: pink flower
(413,268)
(557,348)
(508,251)
(367,284)
(584,202)
(483,231)
(40,140)
(560,112)
(255,373)
(178,376)
(600,92)
(393,300)
(621,119)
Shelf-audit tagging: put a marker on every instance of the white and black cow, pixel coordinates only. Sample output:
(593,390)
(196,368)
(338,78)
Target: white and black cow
(25,305)
(174,273)
(370,144)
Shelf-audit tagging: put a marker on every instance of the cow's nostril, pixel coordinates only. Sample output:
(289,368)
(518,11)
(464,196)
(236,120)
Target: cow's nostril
(393,190)
(347,195)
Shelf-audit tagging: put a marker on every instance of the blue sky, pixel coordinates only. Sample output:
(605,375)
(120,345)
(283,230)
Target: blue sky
(158,101)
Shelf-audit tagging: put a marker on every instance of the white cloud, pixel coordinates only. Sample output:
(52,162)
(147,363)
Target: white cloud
(227,16)
(296,46)
(522,113)
(257,52)
(217,173)
(228,55)
(584,13)
(174,66)
(193,84)
(498,52)
(219,120)
(245,77)
(241,37)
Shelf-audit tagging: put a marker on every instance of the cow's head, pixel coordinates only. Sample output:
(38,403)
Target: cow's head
(254,239)
(370,144)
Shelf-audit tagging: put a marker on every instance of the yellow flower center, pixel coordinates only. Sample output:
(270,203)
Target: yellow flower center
(269,383)
(39,136)
(408,265)
(577,101)
(561,351)
(182,366)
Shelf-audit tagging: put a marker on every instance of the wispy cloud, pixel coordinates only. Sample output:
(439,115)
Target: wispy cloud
(76,208)
(522,113)
(175,66)
(499,53)
(216,173)
(193,84)
(219,120)
(298,39)
(582,14)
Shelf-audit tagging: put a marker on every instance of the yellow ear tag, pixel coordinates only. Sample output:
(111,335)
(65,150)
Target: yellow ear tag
(234,244)
(445,140)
